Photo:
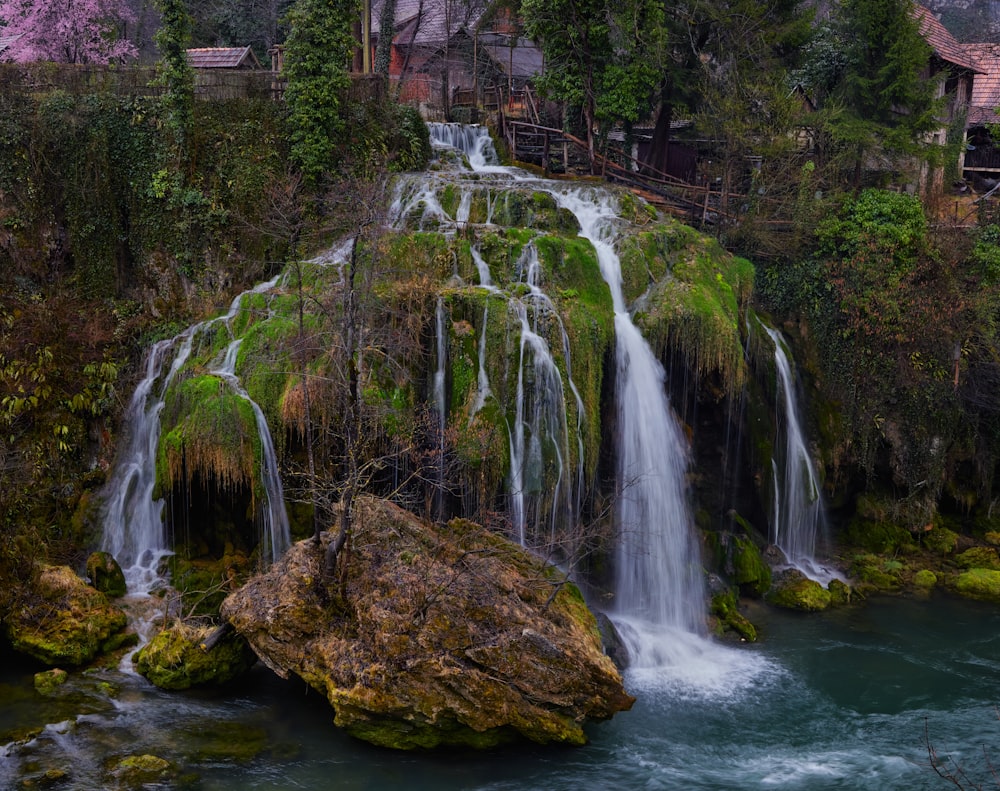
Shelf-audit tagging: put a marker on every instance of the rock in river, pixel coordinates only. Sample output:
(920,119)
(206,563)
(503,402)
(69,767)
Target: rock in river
(433,635)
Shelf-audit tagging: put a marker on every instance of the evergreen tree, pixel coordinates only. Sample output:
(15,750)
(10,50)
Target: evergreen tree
(867,72)
(317,53)
(603,58)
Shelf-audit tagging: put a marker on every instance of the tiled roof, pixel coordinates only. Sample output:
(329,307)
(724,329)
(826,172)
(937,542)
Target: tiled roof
(942,42)
(425,21)
(222,58)
(985,85)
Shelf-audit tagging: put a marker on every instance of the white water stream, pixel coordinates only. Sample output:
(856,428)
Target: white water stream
(660,604)
(798,518)
(134,530)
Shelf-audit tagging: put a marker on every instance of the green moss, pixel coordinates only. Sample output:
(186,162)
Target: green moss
(48,681)
(874,573)
(696,306)
(105,574)
(750,571)
(925,578)
(879,537)
(800,593)
(174,659)
(730,619)
(207,428)
(983,584)
(979,558)
(840,593)
(941,540)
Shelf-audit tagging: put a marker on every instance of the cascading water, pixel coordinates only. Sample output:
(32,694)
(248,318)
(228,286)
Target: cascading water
(275,534)
(660,600)
(798,518)
(659,597)
(133,520)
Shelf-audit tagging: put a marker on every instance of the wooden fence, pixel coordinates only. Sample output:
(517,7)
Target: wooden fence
(214,84)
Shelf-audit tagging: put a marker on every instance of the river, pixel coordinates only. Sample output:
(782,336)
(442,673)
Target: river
(841,700)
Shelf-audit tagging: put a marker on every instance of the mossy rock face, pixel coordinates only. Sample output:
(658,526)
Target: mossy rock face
(979,558)
(174,659)
(64,621)
(982,584)
(941,540)
(105,574)
(440,635)
(794,591)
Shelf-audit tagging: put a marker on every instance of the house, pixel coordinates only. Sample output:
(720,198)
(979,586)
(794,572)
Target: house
(442,48)
(234,58)
(981,165)
(955,68)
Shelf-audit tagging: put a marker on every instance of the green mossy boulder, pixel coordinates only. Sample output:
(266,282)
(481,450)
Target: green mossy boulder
(105,574)
(979,558)
(175,658)
(48,681)
(794,591)
(142,771)
(925,579)
(982,584)
(436,635)
(725,608)
(64,621)
(941,540)
(840,592)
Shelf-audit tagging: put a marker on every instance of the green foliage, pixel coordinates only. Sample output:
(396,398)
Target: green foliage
(602,58)
(866,72)
(175,73)
(317,50)
(886,313)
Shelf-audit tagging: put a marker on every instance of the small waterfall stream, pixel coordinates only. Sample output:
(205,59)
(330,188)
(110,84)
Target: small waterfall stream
(659,597)
(798,519)
(134,530)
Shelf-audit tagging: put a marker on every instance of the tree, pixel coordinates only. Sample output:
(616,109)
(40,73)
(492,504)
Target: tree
(317,52)
(603,58)
(866,72)
(67,31)
(175,72)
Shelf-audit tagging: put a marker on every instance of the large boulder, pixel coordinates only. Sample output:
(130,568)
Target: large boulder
(433,635)
(179,658)
(64,621)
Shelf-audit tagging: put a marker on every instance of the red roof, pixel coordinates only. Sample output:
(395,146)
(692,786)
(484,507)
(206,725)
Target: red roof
(223,58)
(945,46)
(985,85)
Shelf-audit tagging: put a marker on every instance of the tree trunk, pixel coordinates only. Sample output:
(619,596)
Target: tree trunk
(351,423)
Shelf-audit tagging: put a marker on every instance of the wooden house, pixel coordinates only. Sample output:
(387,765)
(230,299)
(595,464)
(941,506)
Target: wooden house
(981,163)
(442,48)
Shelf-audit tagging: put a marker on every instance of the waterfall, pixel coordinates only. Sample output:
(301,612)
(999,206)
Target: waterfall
(134,532)
(659,588)
(275,535)
(659,603)
(798,516)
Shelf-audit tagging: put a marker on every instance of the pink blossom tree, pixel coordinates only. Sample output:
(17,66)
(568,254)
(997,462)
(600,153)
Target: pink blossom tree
(66,31)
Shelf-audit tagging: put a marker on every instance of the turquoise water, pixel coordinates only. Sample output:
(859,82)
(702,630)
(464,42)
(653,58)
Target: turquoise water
(832,701)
